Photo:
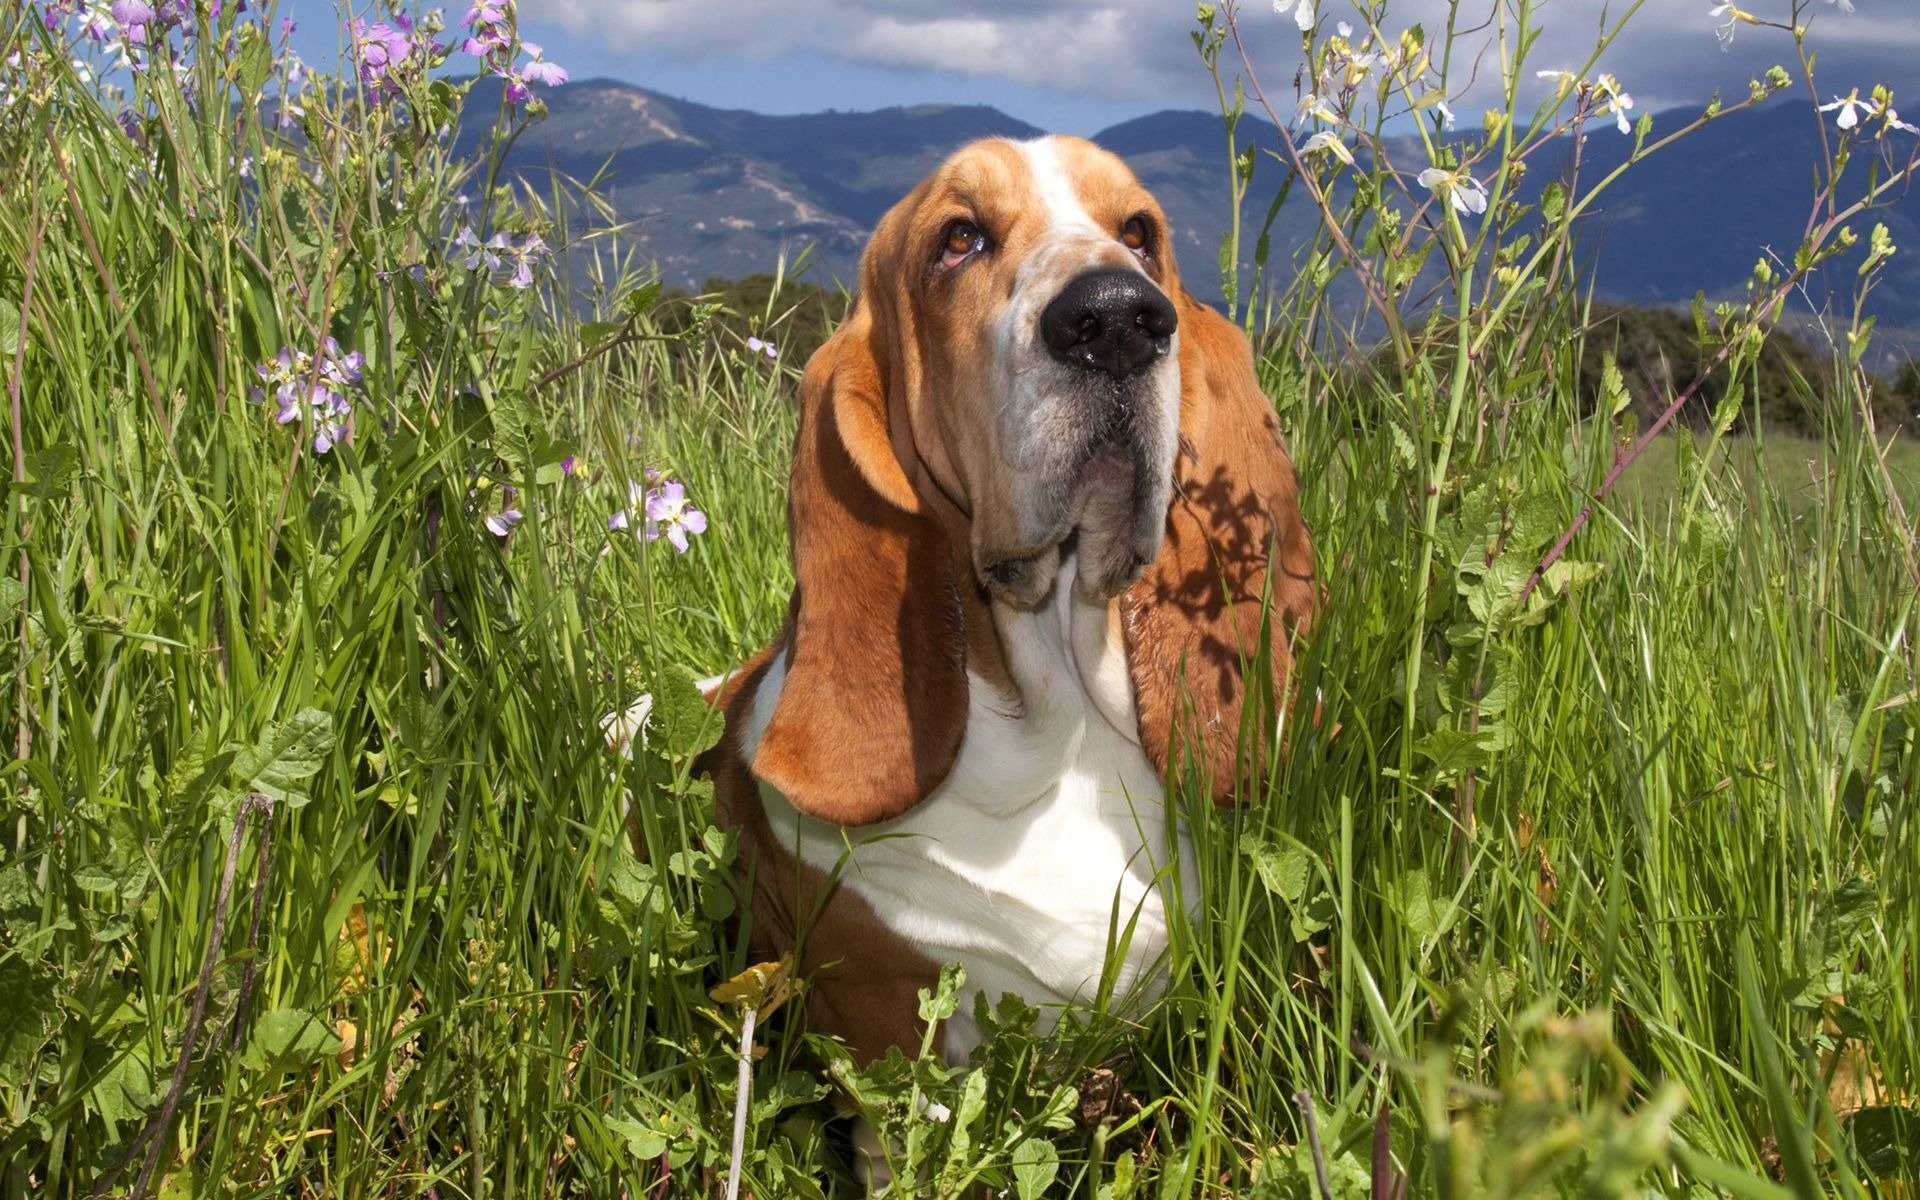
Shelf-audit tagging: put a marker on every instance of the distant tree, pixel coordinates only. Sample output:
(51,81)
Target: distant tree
(1906,390)
(796,319)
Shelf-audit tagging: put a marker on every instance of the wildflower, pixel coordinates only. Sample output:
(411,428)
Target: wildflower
(1563,79)
(1311,105)
(1615,100)
(1326,139)
(524,256)
(566,466)
(481,254)
(492,24)
(636,501)
(1446,114)
(1468,196)
(380,50)
(669,513)
(97,23)
(312,387)
(759,347)
(1851,108)
(1303,14)
(1894,121)
(500,524)
(520,79)
(1732,17)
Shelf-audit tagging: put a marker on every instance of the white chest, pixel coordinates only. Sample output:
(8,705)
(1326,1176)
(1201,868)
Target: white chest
(1046,848)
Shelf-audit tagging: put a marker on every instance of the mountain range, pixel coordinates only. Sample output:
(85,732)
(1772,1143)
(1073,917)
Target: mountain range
(724,193)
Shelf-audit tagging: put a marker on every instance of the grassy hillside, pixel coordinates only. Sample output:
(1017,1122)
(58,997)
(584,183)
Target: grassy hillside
(318,877)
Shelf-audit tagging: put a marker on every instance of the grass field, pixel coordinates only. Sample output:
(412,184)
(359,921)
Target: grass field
(317,876)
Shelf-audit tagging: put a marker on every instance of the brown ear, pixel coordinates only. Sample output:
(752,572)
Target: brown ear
(1236,547)
(875,698)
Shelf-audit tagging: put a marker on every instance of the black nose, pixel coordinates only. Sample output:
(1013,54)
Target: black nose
(1114,320)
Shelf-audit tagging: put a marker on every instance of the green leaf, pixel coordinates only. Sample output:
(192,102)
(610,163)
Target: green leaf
(1790,1129)
(939,1003)
(1455,750)
(1613,387)
(125,1091)
(288,1037)
(253,66)
(1035,1163)
(28,1017)
(682,723)
(96,879)
(642,1142)
(1411,897)
(1283,870)
(290,753)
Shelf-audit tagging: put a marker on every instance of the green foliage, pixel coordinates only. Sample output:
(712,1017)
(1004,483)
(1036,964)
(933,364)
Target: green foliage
(1589,877)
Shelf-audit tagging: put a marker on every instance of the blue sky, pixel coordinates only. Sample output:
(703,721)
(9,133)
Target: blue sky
(1078,66)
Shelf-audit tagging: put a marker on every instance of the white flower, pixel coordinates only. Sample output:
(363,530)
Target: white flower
(1729,16)
(1302,12)
(1344,29)
(1851,108)
(1617,101)
(1565,79)
(1326,139)
(1446,114)
(1312,106)
(1894,121)
(1468,196)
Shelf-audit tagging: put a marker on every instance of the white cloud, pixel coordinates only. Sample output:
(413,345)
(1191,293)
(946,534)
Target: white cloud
(1138,50)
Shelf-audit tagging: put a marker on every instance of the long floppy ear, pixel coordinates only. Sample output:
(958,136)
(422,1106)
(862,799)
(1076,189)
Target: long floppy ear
(1236,548)
(875,697)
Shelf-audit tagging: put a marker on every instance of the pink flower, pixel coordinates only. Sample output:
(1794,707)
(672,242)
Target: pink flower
(669,513)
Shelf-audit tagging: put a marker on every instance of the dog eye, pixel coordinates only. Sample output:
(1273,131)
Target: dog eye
(1134,234)
(963,239)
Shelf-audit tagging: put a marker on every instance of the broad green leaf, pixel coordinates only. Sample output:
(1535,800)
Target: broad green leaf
(287,755)
(642,1142)
(1284,870)
(1035,1163)
(27,1018)
(682,723)
(1411,897)
(288,1037)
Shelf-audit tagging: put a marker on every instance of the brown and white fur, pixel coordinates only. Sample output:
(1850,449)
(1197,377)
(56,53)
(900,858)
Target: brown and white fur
(1030,572)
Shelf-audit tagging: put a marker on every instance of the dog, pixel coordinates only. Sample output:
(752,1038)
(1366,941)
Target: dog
(1042,521)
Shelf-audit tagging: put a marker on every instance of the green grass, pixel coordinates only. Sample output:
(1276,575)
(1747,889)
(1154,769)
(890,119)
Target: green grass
(1625,903)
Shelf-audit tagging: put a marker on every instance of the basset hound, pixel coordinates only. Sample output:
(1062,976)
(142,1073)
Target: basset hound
(1041,516)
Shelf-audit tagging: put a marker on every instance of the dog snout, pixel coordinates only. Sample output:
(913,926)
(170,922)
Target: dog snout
(1111,320)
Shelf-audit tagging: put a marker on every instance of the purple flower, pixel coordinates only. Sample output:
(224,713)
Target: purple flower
(96,23)
(500,524)
(566,465)
(380,50)
(492,23)
(312,388)
(669,513)
(759,347)
(520,79)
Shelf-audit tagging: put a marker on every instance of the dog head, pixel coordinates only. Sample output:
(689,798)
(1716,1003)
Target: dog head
(1022,377)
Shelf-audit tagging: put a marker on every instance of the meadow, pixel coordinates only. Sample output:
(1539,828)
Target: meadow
(342,509)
